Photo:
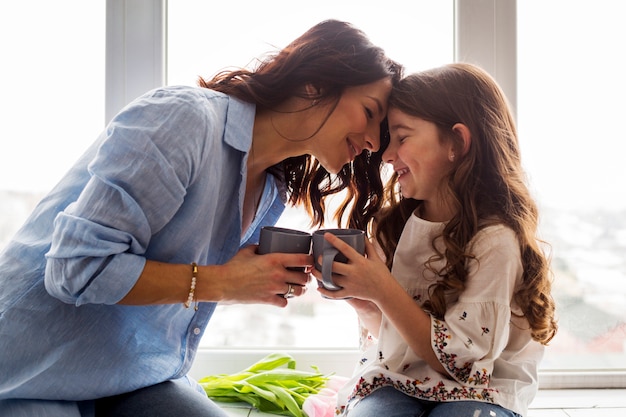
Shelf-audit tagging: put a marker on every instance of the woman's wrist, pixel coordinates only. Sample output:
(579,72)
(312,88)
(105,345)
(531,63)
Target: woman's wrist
(211,283)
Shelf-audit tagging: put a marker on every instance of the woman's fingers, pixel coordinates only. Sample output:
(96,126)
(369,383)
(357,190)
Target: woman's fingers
(266,279)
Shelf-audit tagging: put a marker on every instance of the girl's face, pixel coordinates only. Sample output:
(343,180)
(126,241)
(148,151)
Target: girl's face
(353,126)
(421,160)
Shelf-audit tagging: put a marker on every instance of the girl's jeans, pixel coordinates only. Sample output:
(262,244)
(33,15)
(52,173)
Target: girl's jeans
(389,402)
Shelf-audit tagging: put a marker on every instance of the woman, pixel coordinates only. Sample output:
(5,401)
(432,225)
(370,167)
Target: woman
(107,288)
(461,309)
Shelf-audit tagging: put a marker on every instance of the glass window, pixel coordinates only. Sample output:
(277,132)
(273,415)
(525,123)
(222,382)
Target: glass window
(52,76)
(569,82)
(205,37)
(571,91)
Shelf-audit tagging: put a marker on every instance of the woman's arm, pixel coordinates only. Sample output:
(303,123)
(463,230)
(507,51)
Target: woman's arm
(145,200)
(246,278)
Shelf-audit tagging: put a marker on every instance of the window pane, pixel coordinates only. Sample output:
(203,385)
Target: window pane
(571,105)
(205,37)
(52,76)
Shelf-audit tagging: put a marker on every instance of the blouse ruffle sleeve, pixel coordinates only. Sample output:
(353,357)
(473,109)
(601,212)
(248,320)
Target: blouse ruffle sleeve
(475,329)
(138,180)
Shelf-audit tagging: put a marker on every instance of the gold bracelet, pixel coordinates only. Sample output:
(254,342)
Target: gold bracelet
(192,290)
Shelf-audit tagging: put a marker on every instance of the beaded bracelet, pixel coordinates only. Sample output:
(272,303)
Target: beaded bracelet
(192,289)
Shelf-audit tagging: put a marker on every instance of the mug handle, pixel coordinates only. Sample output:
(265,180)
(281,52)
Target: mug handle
(327,268)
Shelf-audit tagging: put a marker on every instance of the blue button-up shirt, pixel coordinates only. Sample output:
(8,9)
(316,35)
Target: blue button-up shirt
(164,182)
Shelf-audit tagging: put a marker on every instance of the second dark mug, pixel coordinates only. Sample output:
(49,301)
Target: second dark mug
(321,247)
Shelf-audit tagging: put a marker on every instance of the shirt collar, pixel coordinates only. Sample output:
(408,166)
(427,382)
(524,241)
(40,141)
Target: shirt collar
(239,123)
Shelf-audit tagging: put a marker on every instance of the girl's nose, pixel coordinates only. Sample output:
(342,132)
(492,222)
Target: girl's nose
(389,155)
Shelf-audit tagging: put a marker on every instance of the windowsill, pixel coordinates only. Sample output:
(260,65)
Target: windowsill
(549,403)
(211,361)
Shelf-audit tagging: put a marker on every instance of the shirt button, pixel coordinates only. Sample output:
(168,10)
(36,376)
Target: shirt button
(196,331)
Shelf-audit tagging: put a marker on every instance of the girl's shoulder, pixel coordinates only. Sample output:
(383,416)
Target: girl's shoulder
(495,237)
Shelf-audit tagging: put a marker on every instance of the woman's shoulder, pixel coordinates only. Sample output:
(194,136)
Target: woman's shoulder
(205,103)
(186,95)
(182,106)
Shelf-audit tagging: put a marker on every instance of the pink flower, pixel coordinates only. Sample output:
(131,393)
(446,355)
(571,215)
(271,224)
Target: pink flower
(323,403)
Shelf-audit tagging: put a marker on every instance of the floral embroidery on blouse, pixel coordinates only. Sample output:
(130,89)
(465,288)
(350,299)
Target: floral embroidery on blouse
(414,388)
(448,360)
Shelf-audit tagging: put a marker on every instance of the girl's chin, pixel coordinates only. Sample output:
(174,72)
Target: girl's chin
(407,194)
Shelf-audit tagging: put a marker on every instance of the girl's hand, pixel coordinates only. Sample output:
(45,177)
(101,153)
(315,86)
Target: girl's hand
(264,279)
(363,277)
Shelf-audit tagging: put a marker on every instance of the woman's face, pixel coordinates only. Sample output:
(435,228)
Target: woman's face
(418,156)
(353,126)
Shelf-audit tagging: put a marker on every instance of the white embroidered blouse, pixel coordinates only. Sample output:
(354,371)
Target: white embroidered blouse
(487,351)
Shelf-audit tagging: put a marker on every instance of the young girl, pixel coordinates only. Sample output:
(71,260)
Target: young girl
(462,318)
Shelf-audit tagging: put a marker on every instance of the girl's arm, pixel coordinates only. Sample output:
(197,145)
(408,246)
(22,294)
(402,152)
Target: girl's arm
(369,314)
(378,287)
(475,329)
(413,323)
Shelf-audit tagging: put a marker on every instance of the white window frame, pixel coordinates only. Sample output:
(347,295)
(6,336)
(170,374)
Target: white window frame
(136,61)
(136,50)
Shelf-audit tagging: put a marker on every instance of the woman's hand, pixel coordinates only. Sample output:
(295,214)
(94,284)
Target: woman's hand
(251,278)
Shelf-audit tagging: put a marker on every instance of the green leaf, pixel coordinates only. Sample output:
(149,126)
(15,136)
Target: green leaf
(272,361)
(272,385)
(287,400)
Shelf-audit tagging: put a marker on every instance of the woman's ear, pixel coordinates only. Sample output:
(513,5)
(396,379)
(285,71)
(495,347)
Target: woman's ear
(464,135)
(312,91)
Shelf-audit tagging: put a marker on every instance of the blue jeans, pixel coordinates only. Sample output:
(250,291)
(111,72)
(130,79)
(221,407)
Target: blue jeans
(389,402)
(167,399)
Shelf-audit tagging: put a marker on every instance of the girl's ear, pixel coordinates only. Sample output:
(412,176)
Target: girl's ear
(464,135)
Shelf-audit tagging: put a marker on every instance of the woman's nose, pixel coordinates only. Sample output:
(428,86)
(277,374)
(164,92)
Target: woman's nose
(372,139)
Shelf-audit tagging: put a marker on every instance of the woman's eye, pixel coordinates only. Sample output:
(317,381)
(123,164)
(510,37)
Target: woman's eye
(370,114)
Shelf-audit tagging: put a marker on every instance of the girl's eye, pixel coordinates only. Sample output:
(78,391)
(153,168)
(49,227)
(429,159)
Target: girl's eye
(370,114)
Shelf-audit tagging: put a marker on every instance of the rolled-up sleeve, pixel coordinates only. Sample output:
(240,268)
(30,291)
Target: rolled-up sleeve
(138,181)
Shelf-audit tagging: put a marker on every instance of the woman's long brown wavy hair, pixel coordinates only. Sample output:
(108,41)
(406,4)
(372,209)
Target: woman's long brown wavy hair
(331,56)
(488,186)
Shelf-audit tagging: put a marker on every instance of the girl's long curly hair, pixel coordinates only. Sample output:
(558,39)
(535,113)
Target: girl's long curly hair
(331,56)
(488,186)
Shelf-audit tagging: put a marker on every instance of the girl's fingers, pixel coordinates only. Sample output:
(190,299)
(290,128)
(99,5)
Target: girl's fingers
(370,251)
(342,246)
